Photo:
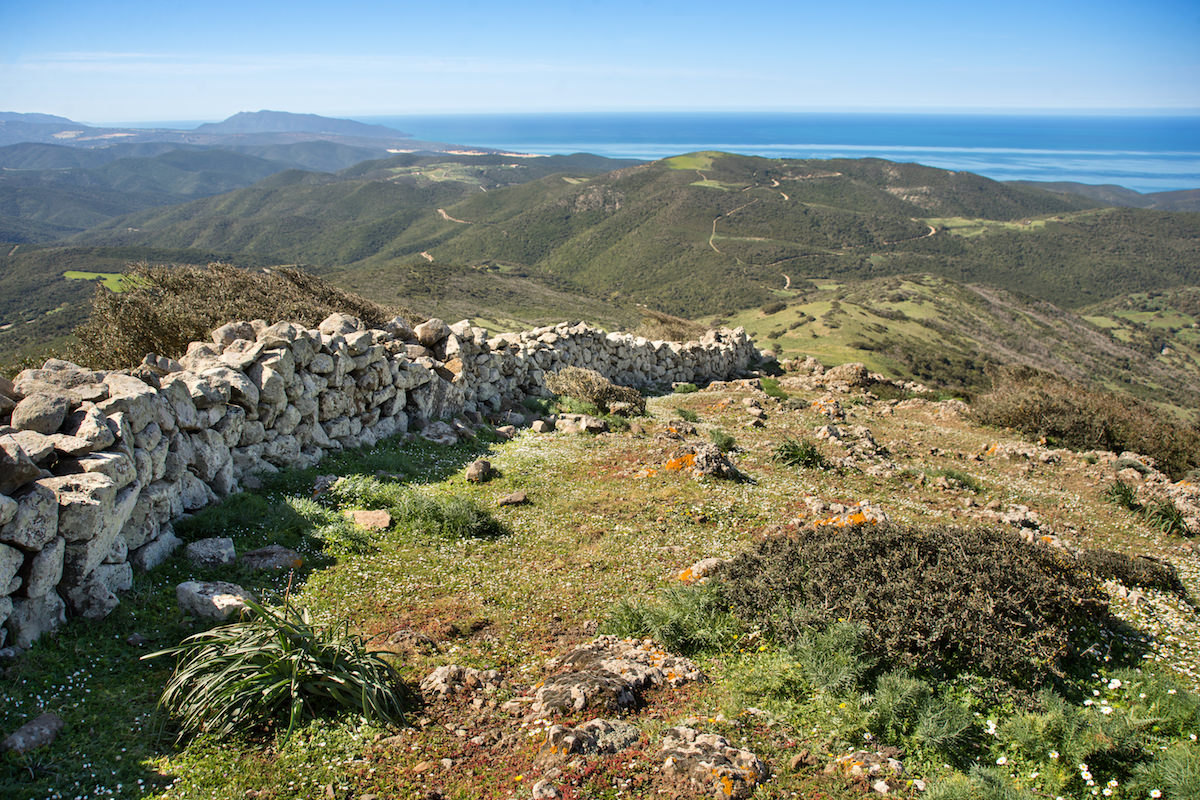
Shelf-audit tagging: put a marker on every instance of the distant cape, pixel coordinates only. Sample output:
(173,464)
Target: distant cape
(285,122)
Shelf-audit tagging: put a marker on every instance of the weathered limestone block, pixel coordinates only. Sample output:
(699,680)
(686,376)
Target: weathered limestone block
(41,412)
(84,555)
(16,468)
(153,553)
(34,523)
(215,600)
(239,355)
(119,468)
(129,395)
(91,599)
(231,332)
(233,385)
(38,446)
(194,493)
(174,391)
(339,323)
(272,388)
(230,425)
(214,552)
(43,571)
(210,453)
(34,616)
(10,564)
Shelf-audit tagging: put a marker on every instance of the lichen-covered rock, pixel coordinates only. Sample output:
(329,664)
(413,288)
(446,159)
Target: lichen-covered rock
(710,461)
(598,736)
(480,471)
(272,557)
(41,412)
(452,679)
(36,733)
(213,552)
(35,521)
(33,617)
(710,764)
(216,600)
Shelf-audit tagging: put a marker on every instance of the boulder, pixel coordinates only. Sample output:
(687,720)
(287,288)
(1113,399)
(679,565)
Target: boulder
(43,570)
(35,522)
(378,520)
(339,323)
(39,732)
(32,617)
(16,468)
(215,600)
(431,331)
(480,471)
(41,412)
(271,558)
(154,552)
(213,552)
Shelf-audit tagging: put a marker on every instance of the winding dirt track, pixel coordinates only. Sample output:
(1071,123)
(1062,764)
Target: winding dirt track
(449,218)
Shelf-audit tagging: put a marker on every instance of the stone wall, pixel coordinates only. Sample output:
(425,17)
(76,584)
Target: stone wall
(95,466)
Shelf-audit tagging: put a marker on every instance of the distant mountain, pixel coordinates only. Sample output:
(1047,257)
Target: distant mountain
(1109,194)
(284,122)
(34,119)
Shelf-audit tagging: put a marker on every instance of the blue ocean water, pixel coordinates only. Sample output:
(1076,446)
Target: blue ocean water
(1146,153)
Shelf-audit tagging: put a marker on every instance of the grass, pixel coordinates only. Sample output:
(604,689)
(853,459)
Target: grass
(113,281)
(599,529)
(800,453)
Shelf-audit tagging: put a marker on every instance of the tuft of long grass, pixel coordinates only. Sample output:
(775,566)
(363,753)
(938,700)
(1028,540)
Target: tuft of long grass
(1167,518)
(1122,494)
(684,619)
(724,441)
(800,453)
(275,666)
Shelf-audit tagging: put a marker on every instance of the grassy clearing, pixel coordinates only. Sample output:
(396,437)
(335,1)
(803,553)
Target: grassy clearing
(692,161)
(113,281)
(606,528)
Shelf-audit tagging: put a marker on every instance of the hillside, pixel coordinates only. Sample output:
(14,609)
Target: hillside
(701,234)
(1181,200)
(283,122)
(948,334)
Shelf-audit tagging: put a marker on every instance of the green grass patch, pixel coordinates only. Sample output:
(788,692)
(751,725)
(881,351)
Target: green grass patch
(113,281)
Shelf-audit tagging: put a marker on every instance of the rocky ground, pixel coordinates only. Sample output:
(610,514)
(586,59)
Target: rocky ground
(522,695)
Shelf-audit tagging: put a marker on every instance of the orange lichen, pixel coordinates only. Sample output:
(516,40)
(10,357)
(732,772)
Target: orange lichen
(682,462)
(845,520)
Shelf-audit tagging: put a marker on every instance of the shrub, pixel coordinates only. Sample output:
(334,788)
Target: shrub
(166,308)
(592,387)
(1076,416)
(938,600)
(724,442)
(1174,772)
(774,308)
(684,619)
(664,327)
(1149,573)
(685,388)
(687,415)
(273,666)
(800,453)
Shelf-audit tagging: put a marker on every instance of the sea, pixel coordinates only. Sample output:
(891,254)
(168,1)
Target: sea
(1144,153)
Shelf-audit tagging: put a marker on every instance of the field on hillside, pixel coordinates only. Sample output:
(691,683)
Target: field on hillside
(617,517)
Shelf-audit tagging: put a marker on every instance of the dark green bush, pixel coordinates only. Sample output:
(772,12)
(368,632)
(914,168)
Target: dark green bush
(1143,571)
(166,308)
(1072,414)
(937,600)
(590,386)
(685,388)
(774,307)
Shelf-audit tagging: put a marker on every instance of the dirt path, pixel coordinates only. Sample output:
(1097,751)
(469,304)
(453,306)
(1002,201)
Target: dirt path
(932,231)
(426,256)
(787,281)
(449,218)
(713,235)
(10,252)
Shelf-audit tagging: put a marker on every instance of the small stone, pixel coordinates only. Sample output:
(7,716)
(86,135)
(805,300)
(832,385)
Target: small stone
(272,557)
(214,552)
(506,431)
(34,734)
(542,426)
(480,471)
(423,766)
(215,600)
(379,520)
(514,499)
(544,790)
(136,640)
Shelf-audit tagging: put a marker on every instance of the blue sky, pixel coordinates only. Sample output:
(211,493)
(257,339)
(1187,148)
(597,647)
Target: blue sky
(125,61)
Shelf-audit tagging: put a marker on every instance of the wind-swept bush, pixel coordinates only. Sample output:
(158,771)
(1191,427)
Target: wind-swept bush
(277,666)
(165,308)
(1074,415)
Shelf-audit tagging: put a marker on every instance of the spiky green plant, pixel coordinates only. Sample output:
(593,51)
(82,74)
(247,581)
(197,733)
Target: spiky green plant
(1122,494)
(1167,518)
(687,415)
(684,619)
(724,441)
(800,453)
(273,666)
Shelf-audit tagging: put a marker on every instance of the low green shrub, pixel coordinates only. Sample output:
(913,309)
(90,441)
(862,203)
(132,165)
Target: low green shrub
(415,511)
(800,453)
(687,415)
(907,713)
(590,386)
(1165,516)
(983,783)
(275,666)
(724,441)
(936,600)
(1174,774)
(685,388)
(538,405)
(683,619)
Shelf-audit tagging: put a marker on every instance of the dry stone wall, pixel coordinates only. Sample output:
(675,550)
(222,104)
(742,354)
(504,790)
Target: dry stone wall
(95,466)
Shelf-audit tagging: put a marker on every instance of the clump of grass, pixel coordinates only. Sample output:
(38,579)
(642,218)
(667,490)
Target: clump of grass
(415,511)
(771,388)
(687,415)
(684,619)
(275,666)
(590,386)
(1122,494)
(724,441)
(685,388)
(800,453)
(1174,772)
(1165,516)
(958,477)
